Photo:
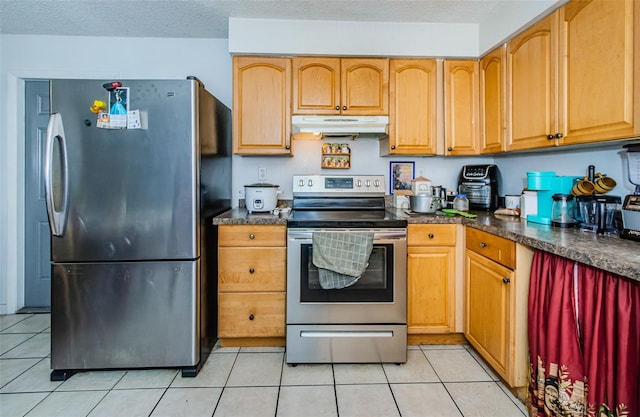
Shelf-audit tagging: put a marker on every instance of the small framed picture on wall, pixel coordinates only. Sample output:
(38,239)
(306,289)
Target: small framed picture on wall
(401,174)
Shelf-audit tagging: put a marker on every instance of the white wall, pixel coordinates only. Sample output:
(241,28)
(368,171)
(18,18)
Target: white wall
(609,159)
(365,159)
(511,17)
(286,37)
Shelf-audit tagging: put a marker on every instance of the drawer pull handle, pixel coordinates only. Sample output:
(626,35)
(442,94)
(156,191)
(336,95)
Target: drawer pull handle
(251,317)
(483,245)
(506,280)
(251,270)
(252,236)
(431,235)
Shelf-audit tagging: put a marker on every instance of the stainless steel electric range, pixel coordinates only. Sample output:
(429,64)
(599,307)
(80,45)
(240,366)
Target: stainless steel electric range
(364,322)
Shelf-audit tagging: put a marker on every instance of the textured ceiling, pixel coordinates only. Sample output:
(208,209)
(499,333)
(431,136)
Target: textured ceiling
(209,18)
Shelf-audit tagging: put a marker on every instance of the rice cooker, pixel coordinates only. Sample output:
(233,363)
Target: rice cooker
(261,197)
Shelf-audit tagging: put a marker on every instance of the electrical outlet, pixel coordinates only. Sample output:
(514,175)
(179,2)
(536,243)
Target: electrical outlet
(262,174)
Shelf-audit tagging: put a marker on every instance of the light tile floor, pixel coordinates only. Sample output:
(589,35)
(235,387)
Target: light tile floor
(436,381)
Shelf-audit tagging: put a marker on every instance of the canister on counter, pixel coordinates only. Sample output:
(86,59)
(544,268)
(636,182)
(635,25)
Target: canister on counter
(512,201)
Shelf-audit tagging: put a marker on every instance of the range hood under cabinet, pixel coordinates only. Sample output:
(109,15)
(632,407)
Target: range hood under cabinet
(375,127)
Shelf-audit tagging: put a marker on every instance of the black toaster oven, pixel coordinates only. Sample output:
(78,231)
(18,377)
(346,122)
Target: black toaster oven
(480,184)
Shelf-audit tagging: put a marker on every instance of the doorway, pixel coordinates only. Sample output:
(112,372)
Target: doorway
(37,243)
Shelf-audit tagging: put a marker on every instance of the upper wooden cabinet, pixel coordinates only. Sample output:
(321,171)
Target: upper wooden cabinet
(493,123)
(533,93)
(261,106)
(461,107)
(349,86)
(413,107)
(601,50)
(573,77)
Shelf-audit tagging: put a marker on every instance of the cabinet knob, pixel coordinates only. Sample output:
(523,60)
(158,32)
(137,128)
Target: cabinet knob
(506,280)
(483,245)
(430,235)
(251,317)
(344,107)
(337,107)
(550,137)
(393,146)
(251,270)
(288,147)
(252,236)
(559,135)
(449,148)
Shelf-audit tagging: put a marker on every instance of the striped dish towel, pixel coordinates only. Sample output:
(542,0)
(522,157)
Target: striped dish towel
(341,257)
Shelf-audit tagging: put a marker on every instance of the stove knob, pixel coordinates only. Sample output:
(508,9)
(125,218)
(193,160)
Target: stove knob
(301,183)
(376,183)
(368,183)
(359,183)
(310,182)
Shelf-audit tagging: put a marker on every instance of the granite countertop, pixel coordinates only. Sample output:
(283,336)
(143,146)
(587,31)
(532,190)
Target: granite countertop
(610,253)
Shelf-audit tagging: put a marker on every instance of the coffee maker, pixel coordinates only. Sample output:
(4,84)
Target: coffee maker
(547,184)
(631,205)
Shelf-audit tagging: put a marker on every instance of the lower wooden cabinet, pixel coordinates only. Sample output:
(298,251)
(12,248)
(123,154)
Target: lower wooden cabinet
(251,284)
(496,298)
(431,278)
(251,314)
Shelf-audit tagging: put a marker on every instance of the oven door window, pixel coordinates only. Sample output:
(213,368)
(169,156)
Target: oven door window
(375,285)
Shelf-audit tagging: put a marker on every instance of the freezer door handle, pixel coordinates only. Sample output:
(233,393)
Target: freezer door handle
(57,213)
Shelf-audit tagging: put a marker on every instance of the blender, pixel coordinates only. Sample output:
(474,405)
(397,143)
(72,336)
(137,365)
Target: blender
(631,205)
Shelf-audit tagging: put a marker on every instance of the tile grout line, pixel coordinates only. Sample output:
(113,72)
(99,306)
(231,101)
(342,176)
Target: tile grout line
(224,387)
(395,401)
(442,382)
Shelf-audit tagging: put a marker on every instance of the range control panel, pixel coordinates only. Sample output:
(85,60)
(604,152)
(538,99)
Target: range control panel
(339,184)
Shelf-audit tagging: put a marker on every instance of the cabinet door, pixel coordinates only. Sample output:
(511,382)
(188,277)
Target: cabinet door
(430,290)
(488,309)
(413,106)
(600,59)
(365,86)
(532,80)
(316,85)
(461,101)
(492,100)
(261,106)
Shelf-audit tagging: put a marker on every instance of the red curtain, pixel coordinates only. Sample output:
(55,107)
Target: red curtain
(610,326)
(584,340)
(557,377)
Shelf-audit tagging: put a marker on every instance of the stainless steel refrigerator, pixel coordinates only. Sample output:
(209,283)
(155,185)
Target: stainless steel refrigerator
(133,255)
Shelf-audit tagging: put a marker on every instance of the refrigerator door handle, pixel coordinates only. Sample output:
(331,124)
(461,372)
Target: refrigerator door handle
(57,218)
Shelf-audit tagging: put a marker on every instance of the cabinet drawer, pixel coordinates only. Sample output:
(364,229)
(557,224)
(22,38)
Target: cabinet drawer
(491,246)
(251,269)
(431,235)
(251,315)
(252,235)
